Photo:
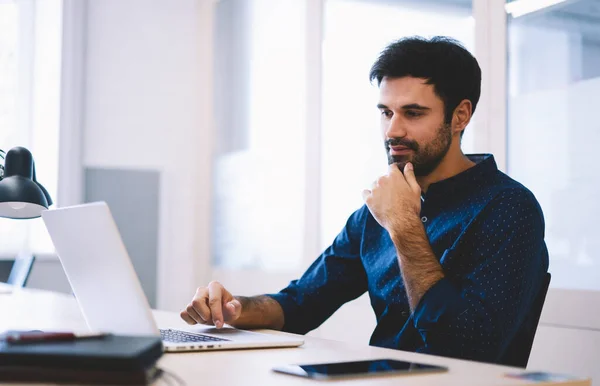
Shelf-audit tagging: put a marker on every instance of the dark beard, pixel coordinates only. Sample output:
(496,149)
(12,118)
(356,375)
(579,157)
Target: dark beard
(424,158)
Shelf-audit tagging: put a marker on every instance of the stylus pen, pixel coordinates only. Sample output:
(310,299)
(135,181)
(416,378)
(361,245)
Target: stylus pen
(40,337)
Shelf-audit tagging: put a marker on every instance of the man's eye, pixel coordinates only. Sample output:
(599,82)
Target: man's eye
(413,114)
(386,113)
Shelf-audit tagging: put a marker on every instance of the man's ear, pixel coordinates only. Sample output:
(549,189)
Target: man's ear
(462,116)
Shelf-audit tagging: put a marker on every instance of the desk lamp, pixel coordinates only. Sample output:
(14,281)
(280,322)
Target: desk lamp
(21,196)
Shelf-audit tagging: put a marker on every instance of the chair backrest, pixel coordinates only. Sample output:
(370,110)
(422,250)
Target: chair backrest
(517,353)
(20,270)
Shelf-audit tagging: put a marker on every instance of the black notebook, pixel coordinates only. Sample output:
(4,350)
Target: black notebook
(113,359)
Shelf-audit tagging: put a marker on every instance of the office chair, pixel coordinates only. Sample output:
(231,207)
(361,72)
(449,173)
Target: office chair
(517,353)
(20,270)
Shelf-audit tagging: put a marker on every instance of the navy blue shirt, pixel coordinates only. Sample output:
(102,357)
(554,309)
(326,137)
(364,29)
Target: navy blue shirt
(487,231)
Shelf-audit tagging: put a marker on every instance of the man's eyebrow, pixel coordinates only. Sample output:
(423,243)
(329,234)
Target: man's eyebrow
(412,106)
(415,106)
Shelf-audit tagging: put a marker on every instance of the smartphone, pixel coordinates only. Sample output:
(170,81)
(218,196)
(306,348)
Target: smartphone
(373,367)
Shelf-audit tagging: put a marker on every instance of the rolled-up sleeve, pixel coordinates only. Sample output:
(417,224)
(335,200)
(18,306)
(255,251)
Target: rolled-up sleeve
(335,278)
(474,316)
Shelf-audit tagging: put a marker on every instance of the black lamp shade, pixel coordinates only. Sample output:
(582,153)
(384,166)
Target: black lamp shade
(20,195)
(46,194)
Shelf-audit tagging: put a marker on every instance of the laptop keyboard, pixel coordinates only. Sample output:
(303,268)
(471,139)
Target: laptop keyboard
(178,336)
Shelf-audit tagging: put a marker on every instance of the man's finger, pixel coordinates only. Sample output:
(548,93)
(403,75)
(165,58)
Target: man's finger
(187,318)
(215,303)
(194,314)
(393,168)
(200,305)
(409,174)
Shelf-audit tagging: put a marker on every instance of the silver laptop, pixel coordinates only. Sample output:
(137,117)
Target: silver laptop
(109,293)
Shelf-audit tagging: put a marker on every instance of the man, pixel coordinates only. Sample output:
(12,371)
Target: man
(450,249)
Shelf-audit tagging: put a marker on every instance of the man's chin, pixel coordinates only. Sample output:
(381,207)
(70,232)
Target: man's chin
(400,161)
(419,170)
(401,165)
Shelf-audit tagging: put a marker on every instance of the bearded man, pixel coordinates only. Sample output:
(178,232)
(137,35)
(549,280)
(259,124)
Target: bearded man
(450,249)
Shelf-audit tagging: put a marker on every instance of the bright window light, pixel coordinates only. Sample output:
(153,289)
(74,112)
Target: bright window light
(523,7)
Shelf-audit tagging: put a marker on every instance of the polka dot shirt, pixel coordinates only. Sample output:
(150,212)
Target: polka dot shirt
(487,231)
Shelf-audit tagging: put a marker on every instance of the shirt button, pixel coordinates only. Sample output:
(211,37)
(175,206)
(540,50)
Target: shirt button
(424,219)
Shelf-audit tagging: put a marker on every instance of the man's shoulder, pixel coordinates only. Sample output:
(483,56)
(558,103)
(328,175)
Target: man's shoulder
(509,186)
(506,191)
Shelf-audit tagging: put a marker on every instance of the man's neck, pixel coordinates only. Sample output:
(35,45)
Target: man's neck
(454,162)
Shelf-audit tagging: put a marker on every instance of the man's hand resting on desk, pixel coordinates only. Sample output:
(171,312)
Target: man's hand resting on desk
(214,305)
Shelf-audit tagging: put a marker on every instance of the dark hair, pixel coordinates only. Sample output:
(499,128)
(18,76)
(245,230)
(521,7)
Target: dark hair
(444,62)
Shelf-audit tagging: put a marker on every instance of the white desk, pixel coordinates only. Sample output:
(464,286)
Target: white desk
(32,309)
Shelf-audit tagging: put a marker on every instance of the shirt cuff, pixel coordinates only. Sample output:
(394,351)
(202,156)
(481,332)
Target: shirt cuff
(434,304)
(291,312)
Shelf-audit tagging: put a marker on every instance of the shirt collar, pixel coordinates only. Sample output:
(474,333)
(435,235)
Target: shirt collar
(485,165)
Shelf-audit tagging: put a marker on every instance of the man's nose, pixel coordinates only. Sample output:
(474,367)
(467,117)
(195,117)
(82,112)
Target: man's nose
(395,129)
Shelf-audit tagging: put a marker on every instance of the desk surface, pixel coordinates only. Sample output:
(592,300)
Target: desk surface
(33,309)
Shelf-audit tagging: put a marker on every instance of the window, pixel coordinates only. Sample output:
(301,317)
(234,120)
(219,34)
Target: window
(260,176)
(554,132)
(353,155)
(259,172)
(30,46)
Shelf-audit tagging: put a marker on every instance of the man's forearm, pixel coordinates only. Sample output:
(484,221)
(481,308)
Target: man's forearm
(418,264)
(259,312)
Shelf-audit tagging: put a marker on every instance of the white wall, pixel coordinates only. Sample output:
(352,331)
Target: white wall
(148,104)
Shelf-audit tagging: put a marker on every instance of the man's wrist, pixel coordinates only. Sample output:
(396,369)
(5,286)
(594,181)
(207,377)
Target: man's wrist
(410,227)
(259,312)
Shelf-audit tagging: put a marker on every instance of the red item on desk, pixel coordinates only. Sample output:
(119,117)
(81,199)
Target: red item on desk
(26,337)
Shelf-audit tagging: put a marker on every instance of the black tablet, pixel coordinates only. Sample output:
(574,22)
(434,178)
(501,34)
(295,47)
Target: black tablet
(358,368)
